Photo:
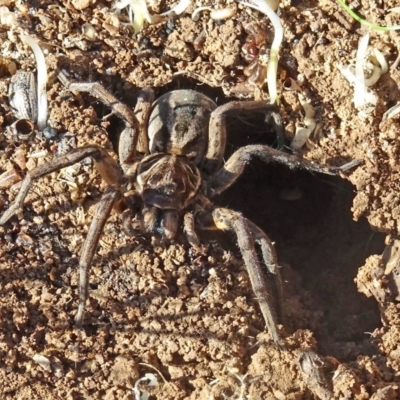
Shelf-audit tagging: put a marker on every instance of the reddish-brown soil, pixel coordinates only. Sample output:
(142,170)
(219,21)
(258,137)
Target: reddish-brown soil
(188,316)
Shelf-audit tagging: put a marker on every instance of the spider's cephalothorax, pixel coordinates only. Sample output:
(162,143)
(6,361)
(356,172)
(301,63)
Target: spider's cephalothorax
(172,153)
(178,124)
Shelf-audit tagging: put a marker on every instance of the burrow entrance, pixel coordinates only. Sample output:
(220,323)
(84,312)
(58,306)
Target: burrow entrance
(309,218)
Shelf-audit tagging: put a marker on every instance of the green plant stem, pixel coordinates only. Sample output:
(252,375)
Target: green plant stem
(367,23)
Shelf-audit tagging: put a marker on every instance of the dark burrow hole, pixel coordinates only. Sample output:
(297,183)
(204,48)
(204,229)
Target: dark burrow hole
(309,218)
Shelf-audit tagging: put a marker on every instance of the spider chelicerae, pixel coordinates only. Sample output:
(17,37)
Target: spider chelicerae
(171,153)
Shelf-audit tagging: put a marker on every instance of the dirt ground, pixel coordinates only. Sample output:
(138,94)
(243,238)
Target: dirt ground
(166,320)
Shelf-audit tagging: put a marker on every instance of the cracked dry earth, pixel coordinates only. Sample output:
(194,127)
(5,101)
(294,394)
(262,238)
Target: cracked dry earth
(167,321)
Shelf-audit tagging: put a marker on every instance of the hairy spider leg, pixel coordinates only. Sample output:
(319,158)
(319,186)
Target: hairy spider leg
(246,235)
(217,130)
(111,173)
(234,167)
(134,137)
(103,210)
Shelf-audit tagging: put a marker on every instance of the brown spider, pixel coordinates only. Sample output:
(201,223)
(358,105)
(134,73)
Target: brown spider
(171,152)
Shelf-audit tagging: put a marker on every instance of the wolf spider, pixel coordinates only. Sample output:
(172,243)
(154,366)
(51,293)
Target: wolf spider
(171,153)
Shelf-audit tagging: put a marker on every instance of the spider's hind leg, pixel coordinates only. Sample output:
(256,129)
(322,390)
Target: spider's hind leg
(247,234)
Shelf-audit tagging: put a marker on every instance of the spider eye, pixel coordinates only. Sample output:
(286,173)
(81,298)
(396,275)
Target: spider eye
(167,190)
(181,128)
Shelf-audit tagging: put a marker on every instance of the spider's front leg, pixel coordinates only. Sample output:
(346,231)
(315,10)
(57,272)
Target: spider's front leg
(221,177)
(247,233)
(134,137)
(217,129)
(234,167)
(111,173)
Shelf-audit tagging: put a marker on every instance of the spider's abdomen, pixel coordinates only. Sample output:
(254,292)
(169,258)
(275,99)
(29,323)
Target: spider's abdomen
(178,124)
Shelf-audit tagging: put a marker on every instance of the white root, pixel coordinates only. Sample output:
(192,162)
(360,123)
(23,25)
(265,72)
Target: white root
(179,9)
(381,60)
(391,113)
(41,81)
(303,132)
(152,381)
(264,7)
(138,12)
(360,90)
(364,99)
(217,14)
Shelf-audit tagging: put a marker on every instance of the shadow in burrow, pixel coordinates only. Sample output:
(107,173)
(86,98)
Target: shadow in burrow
(308,217)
